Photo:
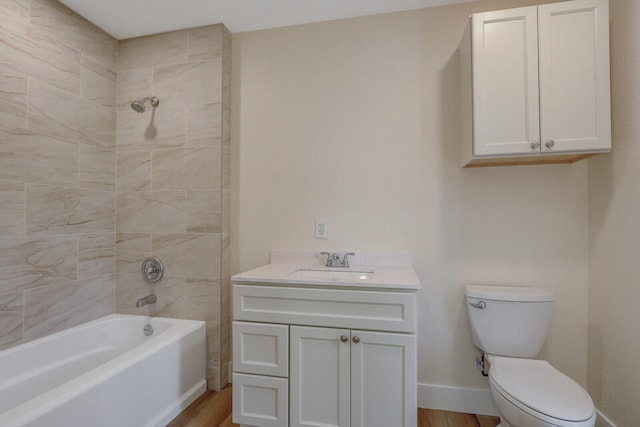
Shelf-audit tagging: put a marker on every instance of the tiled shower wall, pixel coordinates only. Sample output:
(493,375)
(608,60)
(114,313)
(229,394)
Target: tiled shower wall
(172,180)
(57,170)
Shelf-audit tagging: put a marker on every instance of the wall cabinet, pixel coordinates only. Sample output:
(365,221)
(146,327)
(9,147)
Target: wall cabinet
(309,356)
(535,84)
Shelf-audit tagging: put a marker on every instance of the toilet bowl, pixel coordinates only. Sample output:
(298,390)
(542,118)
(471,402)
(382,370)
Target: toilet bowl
(532,393)
(509,325)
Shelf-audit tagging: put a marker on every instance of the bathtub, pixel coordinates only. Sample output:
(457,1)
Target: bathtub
(105,373)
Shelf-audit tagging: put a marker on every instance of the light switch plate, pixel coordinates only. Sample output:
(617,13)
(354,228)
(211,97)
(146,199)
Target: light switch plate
(321,229)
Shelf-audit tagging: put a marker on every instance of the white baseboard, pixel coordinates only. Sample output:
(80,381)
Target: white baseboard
(456,399)
(603,421)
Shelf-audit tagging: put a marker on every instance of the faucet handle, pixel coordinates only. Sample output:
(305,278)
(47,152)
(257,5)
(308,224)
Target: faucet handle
(345,259)
(328,261)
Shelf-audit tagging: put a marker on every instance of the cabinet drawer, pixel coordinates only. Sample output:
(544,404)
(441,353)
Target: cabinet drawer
(260,401)
(261,349)
(373,310)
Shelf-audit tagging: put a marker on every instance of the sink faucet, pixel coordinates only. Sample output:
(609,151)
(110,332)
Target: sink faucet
(333,259)
(149,299)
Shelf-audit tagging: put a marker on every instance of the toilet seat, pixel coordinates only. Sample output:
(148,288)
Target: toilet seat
(539,389)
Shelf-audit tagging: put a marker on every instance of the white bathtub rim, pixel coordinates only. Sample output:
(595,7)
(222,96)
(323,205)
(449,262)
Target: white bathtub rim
(107,318)
(45,402)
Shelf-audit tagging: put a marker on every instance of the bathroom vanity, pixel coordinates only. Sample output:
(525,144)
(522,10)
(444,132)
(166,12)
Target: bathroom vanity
(325,346)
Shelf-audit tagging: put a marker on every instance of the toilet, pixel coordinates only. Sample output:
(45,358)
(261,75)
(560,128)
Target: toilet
(509,325)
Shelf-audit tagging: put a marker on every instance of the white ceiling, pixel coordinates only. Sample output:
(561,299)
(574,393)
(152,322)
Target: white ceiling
(124,19)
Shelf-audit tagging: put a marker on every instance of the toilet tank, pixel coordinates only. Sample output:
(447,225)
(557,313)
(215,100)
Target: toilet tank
(508,320)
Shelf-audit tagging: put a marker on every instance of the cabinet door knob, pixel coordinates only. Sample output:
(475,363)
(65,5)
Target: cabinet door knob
(550,143)
(356,339)
(344,338)
(535,145)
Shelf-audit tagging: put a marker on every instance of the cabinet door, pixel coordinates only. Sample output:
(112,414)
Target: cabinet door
(383,380)
(505,82)
(319,377)
(574,76)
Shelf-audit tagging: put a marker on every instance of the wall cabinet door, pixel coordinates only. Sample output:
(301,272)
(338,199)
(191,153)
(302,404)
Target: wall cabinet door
(574,76)
(352,378)
(319,377)
(505,82)
(540,86)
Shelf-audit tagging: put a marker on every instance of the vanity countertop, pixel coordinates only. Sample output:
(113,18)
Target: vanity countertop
(383,277)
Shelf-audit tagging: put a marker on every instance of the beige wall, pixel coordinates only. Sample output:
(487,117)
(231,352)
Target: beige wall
(614,203)
(173,180)
(57,170)
(355,122)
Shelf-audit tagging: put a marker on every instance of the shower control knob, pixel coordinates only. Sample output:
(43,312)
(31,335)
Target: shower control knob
(152,269)
(344,338)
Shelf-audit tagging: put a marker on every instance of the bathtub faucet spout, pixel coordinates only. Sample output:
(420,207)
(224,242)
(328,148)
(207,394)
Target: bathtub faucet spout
(149,299)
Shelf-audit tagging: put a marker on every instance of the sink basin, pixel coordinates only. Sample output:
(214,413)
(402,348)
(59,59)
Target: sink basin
(331,275)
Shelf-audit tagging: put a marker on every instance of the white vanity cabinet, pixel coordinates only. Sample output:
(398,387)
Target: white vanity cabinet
(330,355)
(535,84)
(342,377)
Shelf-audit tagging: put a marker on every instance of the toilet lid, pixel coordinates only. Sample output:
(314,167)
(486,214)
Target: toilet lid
(539,386)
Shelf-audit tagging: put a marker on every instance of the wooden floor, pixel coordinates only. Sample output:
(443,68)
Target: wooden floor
(213,409)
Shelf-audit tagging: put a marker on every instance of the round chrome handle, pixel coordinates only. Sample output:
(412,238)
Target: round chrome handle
(550,143)
(479,304)
(344,338)
(356,339)
(152,270)
(535,145)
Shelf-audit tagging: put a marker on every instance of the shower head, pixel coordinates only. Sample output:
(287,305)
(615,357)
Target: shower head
(139,107)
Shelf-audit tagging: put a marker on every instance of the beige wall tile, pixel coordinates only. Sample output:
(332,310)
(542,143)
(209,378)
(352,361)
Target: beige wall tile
(97,168)
(204,211)
(192,256)
(31,262)
(204,124)
(226,211)
(70,117)
(205,43)
(52,18)
(212,374)
(169,291)
(161,127)
(59,210)
(174,150)
(203,300)
(96,255)
(14,10)
(36,55)
(32,157)
(153,51)
(54,308)
(225,272)
(11,320)
(225,179)
(11,209)
(192,83)
(151,212)
(134,171)
(226,125)
(131,250)
(132,85)
(13,98)
(98,83)
(186,168)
